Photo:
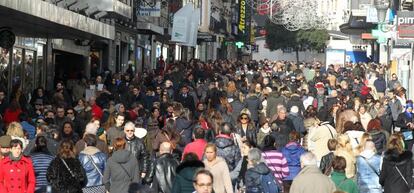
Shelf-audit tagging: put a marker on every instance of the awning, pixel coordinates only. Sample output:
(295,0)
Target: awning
(40,19)
(149,28)
(356,25)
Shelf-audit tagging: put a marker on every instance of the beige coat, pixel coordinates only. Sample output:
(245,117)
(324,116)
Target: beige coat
(311,180)
(221,175)
(318,139)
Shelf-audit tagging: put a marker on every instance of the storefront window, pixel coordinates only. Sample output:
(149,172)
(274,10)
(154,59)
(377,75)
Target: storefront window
(4,63)
(17,66)
(29,63)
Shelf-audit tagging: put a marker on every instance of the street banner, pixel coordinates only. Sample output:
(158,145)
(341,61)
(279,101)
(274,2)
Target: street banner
(181,24)
(335,56)
(405,24)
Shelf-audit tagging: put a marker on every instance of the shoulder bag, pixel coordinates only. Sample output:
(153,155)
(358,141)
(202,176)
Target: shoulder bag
(399,172)
(369,164)
(98,188)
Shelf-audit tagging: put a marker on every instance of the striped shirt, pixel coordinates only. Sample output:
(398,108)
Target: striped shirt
(277,164)
(41,162)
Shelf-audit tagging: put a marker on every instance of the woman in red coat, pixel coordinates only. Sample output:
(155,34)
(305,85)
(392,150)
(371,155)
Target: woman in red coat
(12,113)
(16,171)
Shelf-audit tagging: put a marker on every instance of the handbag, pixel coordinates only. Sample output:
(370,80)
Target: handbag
(372,167)
(98,188)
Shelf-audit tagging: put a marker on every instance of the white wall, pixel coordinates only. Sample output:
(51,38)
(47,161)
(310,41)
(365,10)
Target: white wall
(279,55)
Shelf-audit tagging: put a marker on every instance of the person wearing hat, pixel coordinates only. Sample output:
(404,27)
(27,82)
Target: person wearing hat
(4,146)
(406,122)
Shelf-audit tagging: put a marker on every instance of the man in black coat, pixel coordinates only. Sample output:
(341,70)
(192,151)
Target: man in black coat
(186,99)
(163,170)
(136,147)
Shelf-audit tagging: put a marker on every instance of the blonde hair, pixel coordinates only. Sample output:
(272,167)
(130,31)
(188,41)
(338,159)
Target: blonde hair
(395,142)
(15,129)
(211,145)
(364,138)
(344,143)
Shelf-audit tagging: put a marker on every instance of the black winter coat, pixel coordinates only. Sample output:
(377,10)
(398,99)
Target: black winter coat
(138,150)
(254,104)
(380,140)
(162,173)
(61,179)
(253,177)
(402,121)
(390,179)
(250,134)
(228,150)
(326,163)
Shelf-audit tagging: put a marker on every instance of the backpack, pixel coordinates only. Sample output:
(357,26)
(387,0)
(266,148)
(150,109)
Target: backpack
(269,184)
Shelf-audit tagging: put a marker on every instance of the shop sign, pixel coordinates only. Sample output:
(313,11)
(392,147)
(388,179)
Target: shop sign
(150,10)
(242,17)
(405,24)
(206,38)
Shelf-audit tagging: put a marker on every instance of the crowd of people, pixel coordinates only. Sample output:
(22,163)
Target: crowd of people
(219,126)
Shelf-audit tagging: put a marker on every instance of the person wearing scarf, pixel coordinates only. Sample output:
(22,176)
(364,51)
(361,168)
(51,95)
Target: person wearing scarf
(16,171)
(406,123)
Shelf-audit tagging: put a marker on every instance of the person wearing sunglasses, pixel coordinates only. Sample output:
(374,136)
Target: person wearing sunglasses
(246,129)
(137,148)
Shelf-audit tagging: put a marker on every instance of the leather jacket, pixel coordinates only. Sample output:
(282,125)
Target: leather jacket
(326,163)
(162,173)
(138,150)
(93,175)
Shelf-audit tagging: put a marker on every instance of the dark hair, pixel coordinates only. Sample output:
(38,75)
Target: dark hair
(225,128)
(332,143)
(90,139)
(294,136)
(339,164)
(41,145)
(199,133)
(204,172)
(16,142)
(23,117)
(268,143)
(66,149)
(190,157)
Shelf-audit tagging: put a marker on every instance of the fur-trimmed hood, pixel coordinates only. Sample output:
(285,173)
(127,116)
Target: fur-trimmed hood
(394,156)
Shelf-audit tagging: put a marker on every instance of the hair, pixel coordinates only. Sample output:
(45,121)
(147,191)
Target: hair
(339,164)
(190,157)
(308,159)
(199,133)
(332,144)
(374,124)
(344,142)
(66,149)
(129,124)
(90,139)
(268,143)
(41,145)
(395,143)
(211,145)
(255,156)
(16,142)
(119,143)
(23,117)
(15,129)
(294,136)
(225,128)
(202,171)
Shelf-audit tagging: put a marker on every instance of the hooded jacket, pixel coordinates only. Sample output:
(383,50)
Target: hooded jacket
(292,152)
(121,173)
(253,176)
(183,182)
(228,150)
(390,179)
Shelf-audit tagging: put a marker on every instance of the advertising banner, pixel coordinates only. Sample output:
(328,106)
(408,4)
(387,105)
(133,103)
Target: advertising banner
(150,11)
(335,56)
(405,24)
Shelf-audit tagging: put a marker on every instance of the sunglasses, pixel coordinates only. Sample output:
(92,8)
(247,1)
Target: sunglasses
(129,130)
(244,118)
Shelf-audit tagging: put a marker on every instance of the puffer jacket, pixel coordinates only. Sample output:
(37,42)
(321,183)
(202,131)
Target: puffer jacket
(183,182)
(86,157)
(253,177)
(138,150)
(292,152)
(380,140)
(228,150)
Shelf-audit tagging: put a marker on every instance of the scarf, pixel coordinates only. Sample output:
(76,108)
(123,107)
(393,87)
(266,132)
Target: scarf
(18,158)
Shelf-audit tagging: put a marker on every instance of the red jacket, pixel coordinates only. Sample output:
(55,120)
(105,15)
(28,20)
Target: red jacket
(197,147)
(17,177)
(96,111)
(10,116)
